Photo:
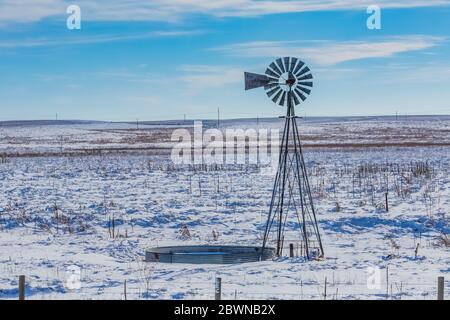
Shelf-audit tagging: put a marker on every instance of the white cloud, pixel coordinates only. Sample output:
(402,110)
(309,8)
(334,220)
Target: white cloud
(128,76)
(94,39)
(173,10)
(432,72)
(333,52)
(29,10)
(200,77)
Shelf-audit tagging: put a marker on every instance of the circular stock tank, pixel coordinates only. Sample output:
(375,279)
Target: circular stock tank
(208,254)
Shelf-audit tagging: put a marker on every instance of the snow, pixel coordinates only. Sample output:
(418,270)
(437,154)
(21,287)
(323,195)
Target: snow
(37,138)
(56,211)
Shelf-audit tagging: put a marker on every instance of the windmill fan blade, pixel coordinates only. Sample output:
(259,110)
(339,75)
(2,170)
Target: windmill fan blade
(283,97)
(300,65)
(280,64)
(275,68)
(293,63)
(305,90)
(275,99)
(305,70)
(294,96)
(293,90)
(272,92)
(300,95)
(286,63)
(254,80)
(271,73)
(307,84)
(308,76)
(271,85)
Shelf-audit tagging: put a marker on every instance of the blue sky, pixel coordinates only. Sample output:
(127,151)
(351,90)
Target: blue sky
(162,59)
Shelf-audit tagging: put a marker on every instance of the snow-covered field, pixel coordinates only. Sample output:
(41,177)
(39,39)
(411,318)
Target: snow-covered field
(56,212)
(68,138)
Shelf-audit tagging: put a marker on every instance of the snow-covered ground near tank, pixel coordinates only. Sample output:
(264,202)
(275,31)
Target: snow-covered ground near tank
(57,212)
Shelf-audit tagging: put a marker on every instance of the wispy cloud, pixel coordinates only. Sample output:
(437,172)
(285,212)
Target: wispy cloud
(30,10)
(94,39)
(197,78)
(177,33)
(125,75)
(431,72)
(333,52)
(173,10)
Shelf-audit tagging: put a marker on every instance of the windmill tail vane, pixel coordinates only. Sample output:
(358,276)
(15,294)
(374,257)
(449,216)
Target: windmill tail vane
(292,216)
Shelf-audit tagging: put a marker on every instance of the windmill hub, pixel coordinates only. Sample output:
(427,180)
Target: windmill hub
(282,76)
(288,82)
(291,79)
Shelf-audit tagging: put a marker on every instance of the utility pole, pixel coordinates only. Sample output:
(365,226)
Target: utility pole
(218,118)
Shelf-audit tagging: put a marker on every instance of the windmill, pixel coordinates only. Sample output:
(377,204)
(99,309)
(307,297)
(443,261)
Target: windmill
(287,82)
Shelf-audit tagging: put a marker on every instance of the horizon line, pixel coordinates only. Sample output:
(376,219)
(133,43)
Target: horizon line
(399,115)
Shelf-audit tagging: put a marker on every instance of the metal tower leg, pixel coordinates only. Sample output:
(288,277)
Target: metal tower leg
(285,195)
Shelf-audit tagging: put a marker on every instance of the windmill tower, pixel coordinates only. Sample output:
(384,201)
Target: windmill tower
(288,81)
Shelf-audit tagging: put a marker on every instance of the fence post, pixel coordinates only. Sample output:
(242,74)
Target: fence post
(125,289)
(387,202)
(218,289)
(22,287)
(291,250)
(440,294)
(387,282)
